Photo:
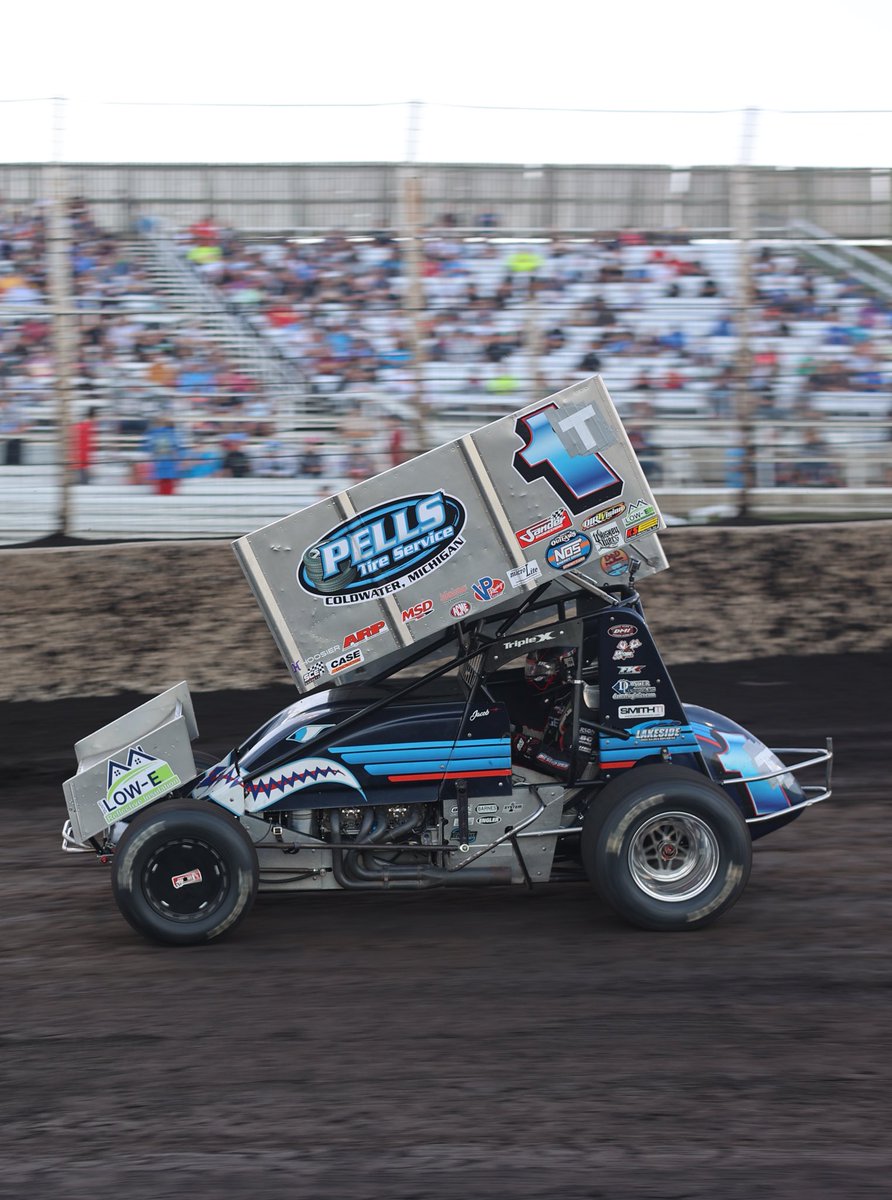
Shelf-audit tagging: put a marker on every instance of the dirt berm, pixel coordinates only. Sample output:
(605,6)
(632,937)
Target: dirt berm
(99,620)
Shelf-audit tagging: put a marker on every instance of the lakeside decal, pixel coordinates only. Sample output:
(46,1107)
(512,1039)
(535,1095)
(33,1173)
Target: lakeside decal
(567,550)
(134,783)
(563,450)
(383,549)
(559,519)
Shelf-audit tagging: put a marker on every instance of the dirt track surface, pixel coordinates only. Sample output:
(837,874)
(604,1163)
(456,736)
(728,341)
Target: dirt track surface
(461,1044)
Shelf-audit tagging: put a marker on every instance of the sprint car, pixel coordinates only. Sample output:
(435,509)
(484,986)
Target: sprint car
(481,703)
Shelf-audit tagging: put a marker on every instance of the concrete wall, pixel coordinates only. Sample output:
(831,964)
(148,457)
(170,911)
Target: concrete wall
(95,621)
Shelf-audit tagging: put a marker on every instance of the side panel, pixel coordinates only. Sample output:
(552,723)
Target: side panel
(349,584)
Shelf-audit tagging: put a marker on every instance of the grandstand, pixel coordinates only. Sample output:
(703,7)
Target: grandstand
(280,356)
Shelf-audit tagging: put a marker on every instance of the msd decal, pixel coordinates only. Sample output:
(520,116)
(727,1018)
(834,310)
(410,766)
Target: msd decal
(362,635)
(486,588)
(417,611)
(383,549)
(559,519)
(563,450)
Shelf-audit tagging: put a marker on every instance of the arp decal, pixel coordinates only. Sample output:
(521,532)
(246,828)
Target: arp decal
(461,609)
(571,466)
(605,515)
(615,562)
(518,576)
(383,549)
(134,783)
(362,635)
(622,631)
(568,550)
(417,611)
(486,588)
(559,519)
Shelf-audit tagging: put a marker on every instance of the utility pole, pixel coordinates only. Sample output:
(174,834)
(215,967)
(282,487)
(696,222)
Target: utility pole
(742,206)
(58,242)
(414,285)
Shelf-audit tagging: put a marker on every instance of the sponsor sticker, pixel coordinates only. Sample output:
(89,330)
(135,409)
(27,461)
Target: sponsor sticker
(384,549)
(135,782)
(486,809)
(344,662)
(634,689)
(362,635)
(626,649)
(644,526)
(607,537)
(417,611)
(453,593)
(636,712)
(615,562)
(180,881)
(656,733)
(605,515)
(631,669)
(622,631)
(640,511)
(461,609)
(568,550)
(559,519)
(480,712)
(486,588)
(533,639)
(518,576)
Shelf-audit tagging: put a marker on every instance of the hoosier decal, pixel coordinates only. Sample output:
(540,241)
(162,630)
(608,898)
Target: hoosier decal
(384,549)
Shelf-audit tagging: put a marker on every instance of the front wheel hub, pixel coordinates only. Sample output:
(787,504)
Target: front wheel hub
(673,856)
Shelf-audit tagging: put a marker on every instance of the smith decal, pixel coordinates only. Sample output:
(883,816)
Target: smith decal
(384,549)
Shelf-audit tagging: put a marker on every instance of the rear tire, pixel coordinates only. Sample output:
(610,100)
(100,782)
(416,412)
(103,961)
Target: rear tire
(184,873)
(666,848)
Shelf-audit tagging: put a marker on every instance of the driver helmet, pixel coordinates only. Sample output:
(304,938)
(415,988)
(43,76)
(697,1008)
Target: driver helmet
(547,668)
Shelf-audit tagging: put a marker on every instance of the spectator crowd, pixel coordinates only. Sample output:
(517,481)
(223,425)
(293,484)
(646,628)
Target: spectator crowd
(503,321)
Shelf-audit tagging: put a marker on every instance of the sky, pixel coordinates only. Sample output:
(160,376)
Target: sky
(188,82)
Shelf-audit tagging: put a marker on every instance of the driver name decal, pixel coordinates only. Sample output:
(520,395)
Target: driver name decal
(384,549)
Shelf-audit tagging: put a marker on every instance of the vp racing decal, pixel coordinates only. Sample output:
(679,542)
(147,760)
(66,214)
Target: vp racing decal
(384,549)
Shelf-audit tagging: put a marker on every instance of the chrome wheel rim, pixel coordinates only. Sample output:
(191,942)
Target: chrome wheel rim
(673,856)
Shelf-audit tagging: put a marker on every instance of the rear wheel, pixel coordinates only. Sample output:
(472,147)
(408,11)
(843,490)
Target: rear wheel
(666,848)
(184,873)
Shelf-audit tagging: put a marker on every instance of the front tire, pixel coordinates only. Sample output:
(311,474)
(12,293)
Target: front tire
(184,873)
(666,848)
